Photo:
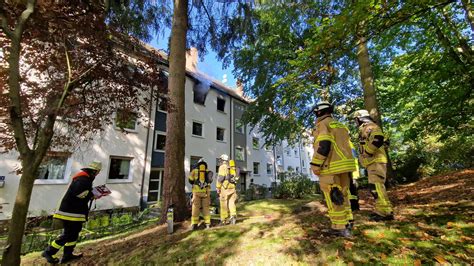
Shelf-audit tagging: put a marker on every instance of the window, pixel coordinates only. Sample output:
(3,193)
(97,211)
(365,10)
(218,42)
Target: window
(126,120)
(220,104)
(279,162)
(288,152)
(200,92)
(256,169)
(290,168)
(302,162)
(269,168)
(220,134)
(239,153)
(255,143)
(160,141)
(119,168)
(155,185)
(197,129)
(162,104)
(268,148)
(54,168)
(193,161)
(296,153)
(297,169)
(239,126)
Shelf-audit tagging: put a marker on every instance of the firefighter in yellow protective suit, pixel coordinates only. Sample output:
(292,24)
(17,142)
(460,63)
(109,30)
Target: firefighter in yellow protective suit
(227,178)
(201,179)
(374,159)
(333,162)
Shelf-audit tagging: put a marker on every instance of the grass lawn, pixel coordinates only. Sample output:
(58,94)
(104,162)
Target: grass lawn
(283,232)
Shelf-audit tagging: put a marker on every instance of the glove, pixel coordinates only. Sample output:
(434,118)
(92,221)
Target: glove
(336,196)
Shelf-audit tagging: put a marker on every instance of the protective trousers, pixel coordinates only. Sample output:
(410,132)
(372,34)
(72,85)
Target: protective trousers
(68,239)
(353,194)
(377,173)
(227,199)
(201,200)
(341,214)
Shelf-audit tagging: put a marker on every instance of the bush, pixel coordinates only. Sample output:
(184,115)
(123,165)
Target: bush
(256,191)
(293,186)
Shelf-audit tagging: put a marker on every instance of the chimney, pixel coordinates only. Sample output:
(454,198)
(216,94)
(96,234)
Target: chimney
(192,58)
(240,88)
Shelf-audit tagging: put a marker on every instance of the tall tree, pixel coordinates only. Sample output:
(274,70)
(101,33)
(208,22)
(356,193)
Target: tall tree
(173,185)
(59,88)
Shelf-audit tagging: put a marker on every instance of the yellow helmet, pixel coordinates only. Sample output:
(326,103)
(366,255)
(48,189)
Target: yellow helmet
(94,166)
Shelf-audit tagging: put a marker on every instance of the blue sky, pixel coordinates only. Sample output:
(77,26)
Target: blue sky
(210,65)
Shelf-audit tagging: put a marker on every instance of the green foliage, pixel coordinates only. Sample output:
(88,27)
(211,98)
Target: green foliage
(293,186)
(290,55)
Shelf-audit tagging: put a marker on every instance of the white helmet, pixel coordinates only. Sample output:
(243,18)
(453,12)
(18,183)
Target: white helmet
(361,113)
(322,105)
(224,157)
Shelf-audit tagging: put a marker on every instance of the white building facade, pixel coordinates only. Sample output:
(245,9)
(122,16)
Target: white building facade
(133,160)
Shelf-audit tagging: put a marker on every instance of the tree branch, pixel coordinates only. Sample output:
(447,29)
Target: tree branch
(14,81)
(68,83)
(25,15)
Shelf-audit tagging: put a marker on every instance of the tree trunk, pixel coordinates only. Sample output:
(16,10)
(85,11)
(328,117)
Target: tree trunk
(11,254)
(467,5)
(174,177)
(370,99)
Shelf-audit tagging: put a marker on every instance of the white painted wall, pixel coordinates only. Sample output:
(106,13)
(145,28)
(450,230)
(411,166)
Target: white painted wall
(262,156)
(46,196)
(206,146)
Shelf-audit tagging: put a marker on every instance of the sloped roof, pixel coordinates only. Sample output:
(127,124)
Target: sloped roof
(198,75)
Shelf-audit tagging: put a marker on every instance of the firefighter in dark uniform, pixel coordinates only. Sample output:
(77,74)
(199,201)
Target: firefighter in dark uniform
(73,212)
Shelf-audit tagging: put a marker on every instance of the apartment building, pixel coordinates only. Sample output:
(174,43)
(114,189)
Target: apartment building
(133,160)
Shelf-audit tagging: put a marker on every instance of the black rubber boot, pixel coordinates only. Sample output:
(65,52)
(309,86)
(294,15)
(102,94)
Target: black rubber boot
(194,227)
(68,255)
(49,253)
(350,225)
(346,233)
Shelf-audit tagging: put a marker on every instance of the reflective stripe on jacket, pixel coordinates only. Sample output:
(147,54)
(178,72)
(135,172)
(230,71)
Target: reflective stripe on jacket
(75,203)
(369,153)
(340,158)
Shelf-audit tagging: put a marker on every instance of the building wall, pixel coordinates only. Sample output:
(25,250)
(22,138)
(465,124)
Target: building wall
(48,193)
(206,146)
(261,155)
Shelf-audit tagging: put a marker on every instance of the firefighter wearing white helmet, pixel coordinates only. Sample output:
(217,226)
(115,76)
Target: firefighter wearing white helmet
(227,178)
(333,162)
(374,159)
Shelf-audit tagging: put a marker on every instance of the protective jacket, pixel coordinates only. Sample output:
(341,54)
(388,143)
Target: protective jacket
(75,203)
(227,176)
(333,154)
(371,141)
(200,178)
